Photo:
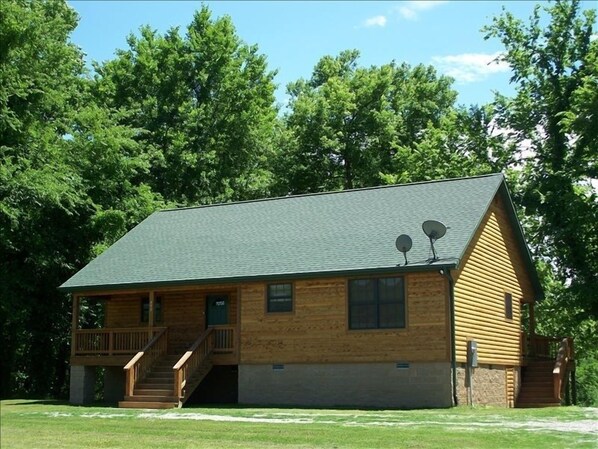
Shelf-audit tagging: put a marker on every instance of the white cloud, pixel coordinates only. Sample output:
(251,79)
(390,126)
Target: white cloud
(470,67)
(410,10)
(593,37)
(376,21)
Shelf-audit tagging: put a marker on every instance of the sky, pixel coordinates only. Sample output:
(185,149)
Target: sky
(294,35)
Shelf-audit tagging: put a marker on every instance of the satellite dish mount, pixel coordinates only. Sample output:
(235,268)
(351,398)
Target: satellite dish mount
(434,230)
(404,244)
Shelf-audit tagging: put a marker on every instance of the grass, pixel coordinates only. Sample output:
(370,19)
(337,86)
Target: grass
(41,424)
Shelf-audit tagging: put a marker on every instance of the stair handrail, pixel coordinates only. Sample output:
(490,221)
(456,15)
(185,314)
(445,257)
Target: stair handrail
(561,367)
(141,362)
(199,351)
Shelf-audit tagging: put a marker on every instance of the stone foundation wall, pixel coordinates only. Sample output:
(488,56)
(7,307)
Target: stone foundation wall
(488,385)
(419,385)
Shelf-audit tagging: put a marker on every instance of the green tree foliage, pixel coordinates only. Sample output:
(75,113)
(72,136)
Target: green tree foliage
(203,108)
(559,314)
(39,192)
(69,186)
(191,119)
(350,126)
(553,120)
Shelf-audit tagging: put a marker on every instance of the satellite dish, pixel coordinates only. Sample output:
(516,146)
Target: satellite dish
(404,244)
(434,230)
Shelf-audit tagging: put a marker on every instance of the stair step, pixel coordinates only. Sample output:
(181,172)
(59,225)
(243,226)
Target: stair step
(537,375)
(155,386)
(152,398)
(537,404)
(157,379)
(536,398)
(540,393)
(154,376)
(526,385)
(540,382)
(152,391)
(147,405)
(168,365)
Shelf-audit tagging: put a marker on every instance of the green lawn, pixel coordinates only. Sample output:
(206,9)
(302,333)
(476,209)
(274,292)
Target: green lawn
(38,424)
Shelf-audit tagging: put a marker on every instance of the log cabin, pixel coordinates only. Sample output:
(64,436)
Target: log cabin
(305,301)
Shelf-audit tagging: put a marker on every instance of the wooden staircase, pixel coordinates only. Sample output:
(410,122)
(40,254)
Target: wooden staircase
(545,379)
(537,385)
(167,380)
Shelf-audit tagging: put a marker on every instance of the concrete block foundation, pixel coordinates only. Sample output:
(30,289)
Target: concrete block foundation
(388,385)
(82,384)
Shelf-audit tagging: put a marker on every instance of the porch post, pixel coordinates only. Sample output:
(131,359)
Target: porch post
(532,320)
(150,321)
(74,324)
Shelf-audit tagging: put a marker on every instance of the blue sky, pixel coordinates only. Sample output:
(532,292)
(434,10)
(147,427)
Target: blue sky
(295,35)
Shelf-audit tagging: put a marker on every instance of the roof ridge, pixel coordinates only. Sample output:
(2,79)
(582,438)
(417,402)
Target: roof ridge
(330,192)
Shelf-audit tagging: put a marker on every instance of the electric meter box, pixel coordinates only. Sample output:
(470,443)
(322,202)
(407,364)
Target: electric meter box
(472,353)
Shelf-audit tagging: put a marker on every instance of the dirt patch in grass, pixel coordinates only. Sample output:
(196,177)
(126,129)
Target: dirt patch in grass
(587,426)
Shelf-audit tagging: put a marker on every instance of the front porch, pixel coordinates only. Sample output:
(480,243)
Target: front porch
(155,346)
(116,346)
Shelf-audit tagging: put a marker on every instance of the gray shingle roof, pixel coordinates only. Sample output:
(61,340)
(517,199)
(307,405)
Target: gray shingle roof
(350,231)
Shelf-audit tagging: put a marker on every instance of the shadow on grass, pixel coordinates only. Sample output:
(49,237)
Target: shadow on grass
(297,407)
(38,402)
(57,402)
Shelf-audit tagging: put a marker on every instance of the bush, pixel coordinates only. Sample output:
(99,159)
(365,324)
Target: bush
(587,379)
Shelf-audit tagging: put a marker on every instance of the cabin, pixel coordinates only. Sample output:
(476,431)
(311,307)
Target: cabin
(306,301)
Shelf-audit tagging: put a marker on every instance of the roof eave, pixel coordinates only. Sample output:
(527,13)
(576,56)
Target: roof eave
(260,278)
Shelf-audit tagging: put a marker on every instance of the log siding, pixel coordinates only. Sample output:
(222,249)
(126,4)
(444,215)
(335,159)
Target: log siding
(492,267)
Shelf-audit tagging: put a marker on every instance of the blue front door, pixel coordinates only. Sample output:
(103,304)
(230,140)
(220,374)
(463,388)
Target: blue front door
(216,310)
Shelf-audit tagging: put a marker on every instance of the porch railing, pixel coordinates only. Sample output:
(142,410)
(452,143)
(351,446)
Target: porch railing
(140,364)
(540,346)
(564,359)
(113,341)
(199,353)
(224,339)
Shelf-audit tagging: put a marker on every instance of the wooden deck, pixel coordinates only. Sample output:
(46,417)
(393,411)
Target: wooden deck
(117,346)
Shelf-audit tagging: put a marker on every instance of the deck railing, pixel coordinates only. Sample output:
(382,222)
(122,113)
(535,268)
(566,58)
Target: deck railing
(140,364)
(540,346)
(224,339)
(192,359)
(562,366)
(113,341)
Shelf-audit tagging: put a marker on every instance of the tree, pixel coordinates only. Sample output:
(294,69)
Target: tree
(553,118)
(203,105)
(68,188)
(350,126)
(39,192)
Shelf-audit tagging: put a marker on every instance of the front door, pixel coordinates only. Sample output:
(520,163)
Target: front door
(216,310)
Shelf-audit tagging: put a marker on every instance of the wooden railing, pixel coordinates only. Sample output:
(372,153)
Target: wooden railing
(224,339)
(192,359)
(540,346)
(564,358)
(112,341)
(140,364)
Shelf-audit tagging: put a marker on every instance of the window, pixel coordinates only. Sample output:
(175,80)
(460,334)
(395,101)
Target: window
(280,298)
(376,303)
(157,310)
(508,306)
